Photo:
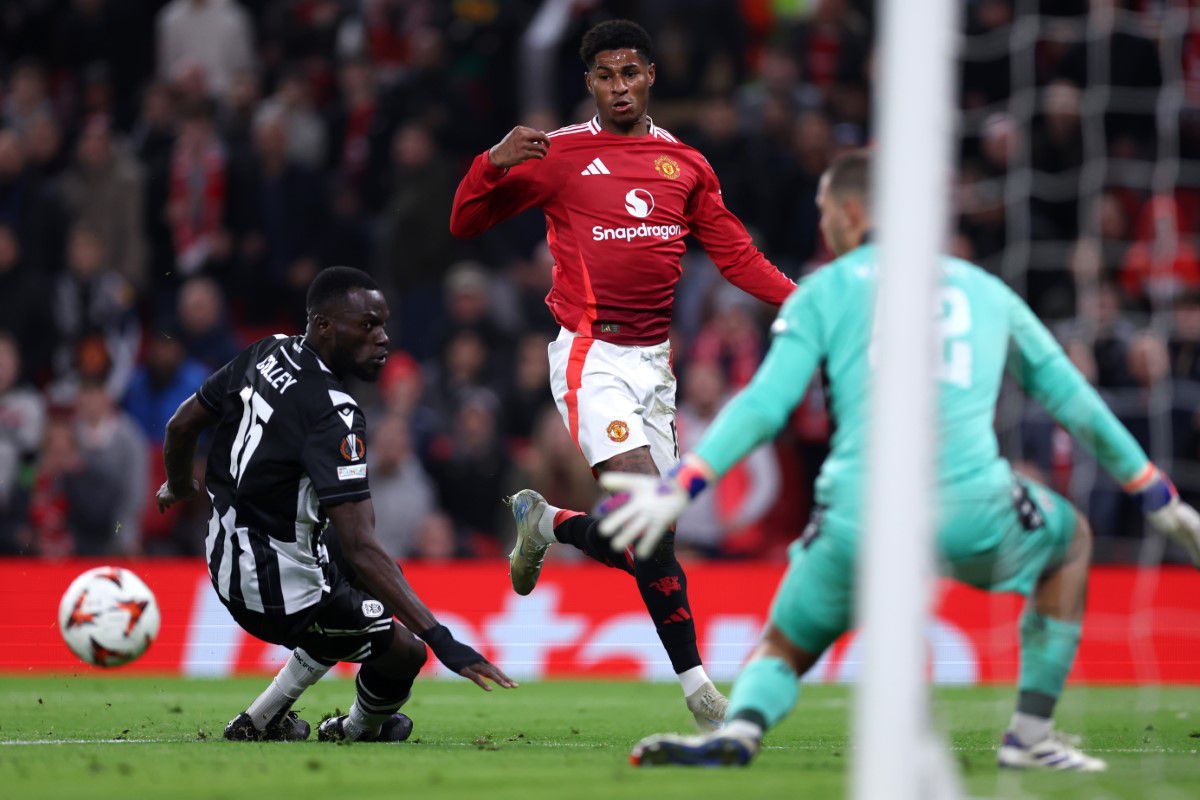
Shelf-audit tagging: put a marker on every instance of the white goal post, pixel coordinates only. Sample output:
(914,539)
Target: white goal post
(895,755)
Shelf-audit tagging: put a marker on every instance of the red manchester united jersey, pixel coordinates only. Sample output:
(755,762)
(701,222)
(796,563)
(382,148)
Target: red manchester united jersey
(617,210)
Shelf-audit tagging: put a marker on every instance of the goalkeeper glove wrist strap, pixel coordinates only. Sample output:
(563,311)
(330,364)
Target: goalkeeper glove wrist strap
(689,477)
(1153,488)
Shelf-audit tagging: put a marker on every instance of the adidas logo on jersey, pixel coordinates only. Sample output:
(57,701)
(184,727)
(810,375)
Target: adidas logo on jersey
(596,168)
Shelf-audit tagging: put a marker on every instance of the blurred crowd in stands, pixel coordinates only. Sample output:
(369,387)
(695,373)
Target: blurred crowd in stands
(173,174)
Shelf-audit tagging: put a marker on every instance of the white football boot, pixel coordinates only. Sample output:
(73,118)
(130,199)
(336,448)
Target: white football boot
(708,706)
(525,560)
(1057,751)
(716,749)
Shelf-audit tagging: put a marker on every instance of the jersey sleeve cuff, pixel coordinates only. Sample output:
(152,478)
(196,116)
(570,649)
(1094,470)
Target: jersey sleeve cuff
(332,498)
(488,171)
(1141,480)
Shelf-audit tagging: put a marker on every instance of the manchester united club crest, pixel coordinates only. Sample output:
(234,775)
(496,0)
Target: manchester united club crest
(352,447)
(667,167)
(618,431)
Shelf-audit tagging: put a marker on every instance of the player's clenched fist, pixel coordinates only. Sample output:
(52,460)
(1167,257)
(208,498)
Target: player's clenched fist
(521,144)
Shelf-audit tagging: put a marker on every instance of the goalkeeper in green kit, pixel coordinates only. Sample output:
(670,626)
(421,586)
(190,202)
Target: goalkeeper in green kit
(995,529)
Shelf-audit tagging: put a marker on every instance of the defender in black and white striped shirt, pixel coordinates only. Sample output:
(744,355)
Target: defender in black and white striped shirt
(289,456)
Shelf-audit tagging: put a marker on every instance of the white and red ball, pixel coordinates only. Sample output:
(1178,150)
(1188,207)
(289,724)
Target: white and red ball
(108,616)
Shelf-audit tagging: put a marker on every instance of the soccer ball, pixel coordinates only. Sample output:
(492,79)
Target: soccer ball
(108,616)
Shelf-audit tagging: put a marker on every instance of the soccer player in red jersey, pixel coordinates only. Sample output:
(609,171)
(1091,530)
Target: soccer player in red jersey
(619,194)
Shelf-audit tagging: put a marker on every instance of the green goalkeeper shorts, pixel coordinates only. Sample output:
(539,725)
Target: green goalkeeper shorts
(994,535)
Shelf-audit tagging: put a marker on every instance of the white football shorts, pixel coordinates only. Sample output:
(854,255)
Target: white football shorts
(615,398)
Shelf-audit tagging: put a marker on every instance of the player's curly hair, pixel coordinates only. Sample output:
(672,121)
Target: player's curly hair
(332,284)
(615,34)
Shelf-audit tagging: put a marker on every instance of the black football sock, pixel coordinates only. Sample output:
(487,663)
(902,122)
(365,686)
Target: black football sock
(377,697)
(663,585)
(582,531)
(660,580)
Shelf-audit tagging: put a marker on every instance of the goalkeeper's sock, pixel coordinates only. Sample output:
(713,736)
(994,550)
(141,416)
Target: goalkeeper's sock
(300,672)
(764,693)
(583,532)
(1029,728)
(1048,648)
(742,729)
(377,697)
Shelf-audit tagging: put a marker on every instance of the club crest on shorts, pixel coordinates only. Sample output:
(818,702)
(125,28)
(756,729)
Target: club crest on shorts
(667,167)
(352,448)
(372,608)
(618,431)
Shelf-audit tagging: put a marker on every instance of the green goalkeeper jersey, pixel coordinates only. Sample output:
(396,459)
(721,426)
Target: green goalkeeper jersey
(983,328)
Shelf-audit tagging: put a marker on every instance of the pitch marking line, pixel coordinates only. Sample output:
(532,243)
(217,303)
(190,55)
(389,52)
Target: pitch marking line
(808,748)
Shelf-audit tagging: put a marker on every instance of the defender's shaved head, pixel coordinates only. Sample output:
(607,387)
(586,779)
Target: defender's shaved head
(333,284)
(850,173)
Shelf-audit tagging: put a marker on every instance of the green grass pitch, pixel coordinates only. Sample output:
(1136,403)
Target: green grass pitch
(124,738)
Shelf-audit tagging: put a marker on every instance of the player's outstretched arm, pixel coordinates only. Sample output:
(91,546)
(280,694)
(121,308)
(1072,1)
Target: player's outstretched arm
(730,247)
(179,451)
(644,507)
(355,524)
(1047,375)
(489,193)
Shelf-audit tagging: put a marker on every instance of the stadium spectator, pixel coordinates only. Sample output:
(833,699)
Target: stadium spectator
(23,307)
(352,126)
(27,98)
(22,420)
(276,208)
(94,318)
(731,341)
(204,326)
(414,246)
(211,38)
(528,398)
(1184,353)
(73,506)
(400,488)
(291,105)
(45,153)
(462,367)
(401,393)
(723,521)
(532,278)
(471,470)
(436,540)
(832,44)
(152,142)
(26,205)
(110,444)
(551,462)
(348,236)
(235,118)
(197,191)
(470,299)
(158,387)
(104,191)
(1163,261)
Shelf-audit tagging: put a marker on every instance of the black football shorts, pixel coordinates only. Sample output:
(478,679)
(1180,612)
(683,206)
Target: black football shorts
(347,625)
